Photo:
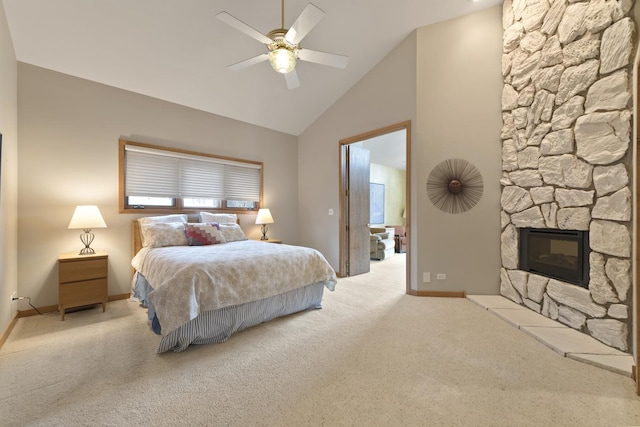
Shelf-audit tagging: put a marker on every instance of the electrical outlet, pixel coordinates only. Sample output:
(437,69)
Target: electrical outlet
(13,295)
(441,276)
(426,277)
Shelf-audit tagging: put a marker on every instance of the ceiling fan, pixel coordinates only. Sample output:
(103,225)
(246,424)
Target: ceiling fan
(284,45)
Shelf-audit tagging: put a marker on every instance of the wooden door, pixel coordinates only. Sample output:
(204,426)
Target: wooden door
(358,242)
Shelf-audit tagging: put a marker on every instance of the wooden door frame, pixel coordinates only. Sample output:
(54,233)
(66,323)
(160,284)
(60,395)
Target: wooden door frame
(406,126)
(635,288)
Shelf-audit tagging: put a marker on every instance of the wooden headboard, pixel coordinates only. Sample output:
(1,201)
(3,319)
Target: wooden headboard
(136,238)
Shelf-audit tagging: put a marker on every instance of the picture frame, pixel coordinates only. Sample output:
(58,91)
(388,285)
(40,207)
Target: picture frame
(376,201)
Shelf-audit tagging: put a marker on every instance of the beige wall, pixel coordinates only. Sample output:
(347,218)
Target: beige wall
(459,116)
(69,130)
(445,78)
(8,175)
(385,96)
(395,182)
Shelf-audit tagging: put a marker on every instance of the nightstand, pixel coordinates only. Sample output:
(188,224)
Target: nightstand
(270,241)
(82,280)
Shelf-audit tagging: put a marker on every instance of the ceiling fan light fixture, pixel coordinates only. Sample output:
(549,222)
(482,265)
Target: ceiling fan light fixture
(282,60)
(283,45)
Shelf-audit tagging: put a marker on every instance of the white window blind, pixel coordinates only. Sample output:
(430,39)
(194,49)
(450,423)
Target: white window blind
(149,175)
(242,183)
(201,178)
(159,173)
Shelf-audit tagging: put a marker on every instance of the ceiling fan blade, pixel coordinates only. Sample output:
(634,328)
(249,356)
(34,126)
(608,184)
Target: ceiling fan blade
(308,19)
(248,62)
(330,59)
(292,79)
(239,25)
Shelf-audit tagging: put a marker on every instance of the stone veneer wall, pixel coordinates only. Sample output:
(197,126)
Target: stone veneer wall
(566,154)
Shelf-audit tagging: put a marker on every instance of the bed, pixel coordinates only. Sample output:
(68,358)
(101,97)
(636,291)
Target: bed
(202,282)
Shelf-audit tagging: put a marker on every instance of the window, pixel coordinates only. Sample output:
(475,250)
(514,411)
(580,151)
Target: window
(160,179)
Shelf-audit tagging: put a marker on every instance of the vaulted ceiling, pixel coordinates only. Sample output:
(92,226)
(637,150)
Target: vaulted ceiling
(176,50)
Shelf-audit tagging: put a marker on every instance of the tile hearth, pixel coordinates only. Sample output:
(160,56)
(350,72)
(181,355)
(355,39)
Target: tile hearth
(560,338)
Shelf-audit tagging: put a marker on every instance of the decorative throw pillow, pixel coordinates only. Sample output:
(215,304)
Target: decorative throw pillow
(232,232)
(204,234)
(219,218)
(157,235)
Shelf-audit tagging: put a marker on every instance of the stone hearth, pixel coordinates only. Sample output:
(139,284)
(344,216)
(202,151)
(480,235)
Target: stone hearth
(566,154)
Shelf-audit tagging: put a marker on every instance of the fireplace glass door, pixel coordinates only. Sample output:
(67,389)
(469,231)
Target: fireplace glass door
(560,254)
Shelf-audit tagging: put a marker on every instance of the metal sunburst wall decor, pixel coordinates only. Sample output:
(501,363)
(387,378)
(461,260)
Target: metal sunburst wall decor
(455,186)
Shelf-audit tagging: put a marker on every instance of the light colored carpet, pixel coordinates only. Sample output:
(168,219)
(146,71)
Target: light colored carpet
(372,356)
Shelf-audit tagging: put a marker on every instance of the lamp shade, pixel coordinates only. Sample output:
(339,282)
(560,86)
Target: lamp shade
(264,217)
(87,217)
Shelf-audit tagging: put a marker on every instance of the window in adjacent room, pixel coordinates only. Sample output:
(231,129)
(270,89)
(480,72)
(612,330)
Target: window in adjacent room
(161,179)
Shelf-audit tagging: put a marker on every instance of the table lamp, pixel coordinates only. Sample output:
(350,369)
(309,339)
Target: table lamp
(87,217)
(264,217)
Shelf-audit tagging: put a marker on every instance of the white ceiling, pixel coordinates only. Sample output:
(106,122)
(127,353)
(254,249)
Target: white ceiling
(176,50)
(389,149)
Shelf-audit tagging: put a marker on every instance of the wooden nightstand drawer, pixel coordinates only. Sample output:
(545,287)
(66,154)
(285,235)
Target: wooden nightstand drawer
(73,271)
(82,280)
(83,293)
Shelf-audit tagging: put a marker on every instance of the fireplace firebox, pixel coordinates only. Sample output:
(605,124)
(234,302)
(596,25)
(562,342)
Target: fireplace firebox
(559,254)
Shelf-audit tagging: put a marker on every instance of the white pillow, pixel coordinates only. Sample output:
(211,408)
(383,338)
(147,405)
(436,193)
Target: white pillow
(157,235)
(232,232)
(164,218)
(219,218)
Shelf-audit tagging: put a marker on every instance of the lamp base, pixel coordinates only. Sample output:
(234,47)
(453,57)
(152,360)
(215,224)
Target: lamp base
(264,229)
(87,238)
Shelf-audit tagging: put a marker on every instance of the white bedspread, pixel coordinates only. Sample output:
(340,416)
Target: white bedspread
(188,280)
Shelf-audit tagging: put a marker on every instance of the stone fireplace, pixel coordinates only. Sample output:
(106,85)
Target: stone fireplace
(566,158)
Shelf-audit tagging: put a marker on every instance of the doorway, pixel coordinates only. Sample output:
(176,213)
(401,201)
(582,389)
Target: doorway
(354,203)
